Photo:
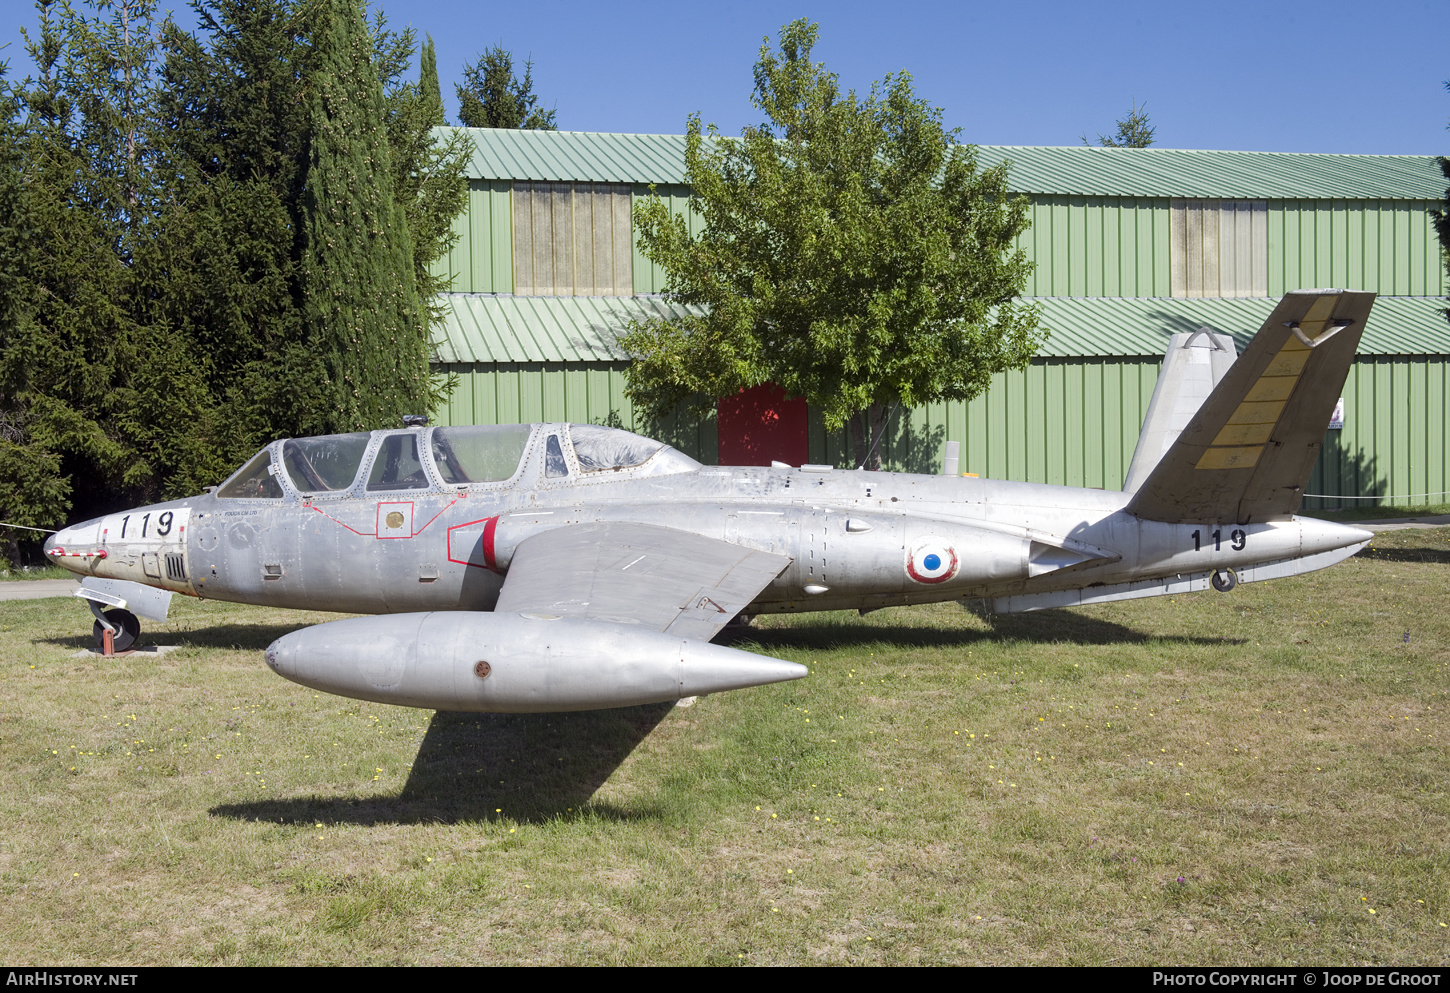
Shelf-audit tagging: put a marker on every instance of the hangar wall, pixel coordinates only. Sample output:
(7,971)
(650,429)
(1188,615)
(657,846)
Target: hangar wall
(1130,246)
(1120,247)
(1068,421)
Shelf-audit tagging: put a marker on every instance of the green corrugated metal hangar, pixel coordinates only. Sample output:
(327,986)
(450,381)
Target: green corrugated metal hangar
(1131,246)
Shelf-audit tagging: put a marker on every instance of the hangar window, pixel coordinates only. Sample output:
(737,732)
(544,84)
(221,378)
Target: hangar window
(573,239)
(479,453)
(255,480)
(1218,248)
(397,466)
(325,464)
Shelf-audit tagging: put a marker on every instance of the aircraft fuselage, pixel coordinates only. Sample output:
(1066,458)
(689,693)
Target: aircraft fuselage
(572,566)
(855,539)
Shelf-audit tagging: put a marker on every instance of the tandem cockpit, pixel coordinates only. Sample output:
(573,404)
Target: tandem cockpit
(446,459)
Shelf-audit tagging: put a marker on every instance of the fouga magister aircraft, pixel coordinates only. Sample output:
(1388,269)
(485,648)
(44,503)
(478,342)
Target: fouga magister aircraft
(552,567)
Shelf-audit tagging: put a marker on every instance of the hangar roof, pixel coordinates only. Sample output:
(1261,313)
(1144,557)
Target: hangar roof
(576,156)
(498,328)
(1180,172)
(1102,326)
(601,157)
(488,328)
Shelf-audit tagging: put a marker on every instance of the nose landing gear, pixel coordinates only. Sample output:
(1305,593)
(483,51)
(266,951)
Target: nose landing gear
(115,630)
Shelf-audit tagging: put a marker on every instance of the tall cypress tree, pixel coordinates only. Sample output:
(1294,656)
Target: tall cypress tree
(360,306)
(428,164)
(428,88)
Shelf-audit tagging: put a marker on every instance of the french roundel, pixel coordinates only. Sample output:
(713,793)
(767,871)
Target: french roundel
(931,562)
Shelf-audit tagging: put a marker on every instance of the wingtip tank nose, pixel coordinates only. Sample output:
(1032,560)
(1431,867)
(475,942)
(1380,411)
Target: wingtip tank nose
(279,656)
(711,668)
(1361,535)
(1327,536)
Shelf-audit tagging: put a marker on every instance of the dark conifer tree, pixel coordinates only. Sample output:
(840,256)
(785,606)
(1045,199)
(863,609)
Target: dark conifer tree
(428,164)
(1442,221)
(360,308)
(226,253)
(493,97)
(33,492)
(212,250)
(428,87)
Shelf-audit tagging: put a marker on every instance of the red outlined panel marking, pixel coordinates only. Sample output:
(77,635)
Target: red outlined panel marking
(395,520)
(460,550)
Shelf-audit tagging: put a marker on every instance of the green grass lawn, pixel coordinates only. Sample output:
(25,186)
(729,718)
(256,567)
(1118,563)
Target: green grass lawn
(1258,777)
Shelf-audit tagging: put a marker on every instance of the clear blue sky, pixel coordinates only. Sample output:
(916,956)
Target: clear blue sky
(1292,76)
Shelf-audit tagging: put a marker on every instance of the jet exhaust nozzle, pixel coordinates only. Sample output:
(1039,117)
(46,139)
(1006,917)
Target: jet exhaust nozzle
(512,663)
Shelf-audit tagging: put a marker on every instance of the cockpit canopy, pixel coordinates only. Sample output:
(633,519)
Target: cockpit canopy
(329,463)
(479,455)
(446,458)
(609,449)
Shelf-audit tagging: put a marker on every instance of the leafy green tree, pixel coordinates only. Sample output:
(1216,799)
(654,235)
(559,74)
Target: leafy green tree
(852,253)
(491,96)
(360,305)
(1134,131)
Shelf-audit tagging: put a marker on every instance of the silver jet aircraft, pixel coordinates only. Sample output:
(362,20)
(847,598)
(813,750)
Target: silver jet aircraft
(554,567)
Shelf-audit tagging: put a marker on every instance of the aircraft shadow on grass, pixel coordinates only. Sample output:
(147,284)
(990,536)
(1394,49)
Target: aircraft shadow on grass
(1042,627)
(227,637)
(1419,556)
(1046,626)
(537,767)
(524,768)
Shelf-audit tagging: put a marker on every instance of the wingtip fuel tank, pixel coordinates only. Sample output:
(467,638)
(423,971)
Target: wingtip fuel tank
(530,662)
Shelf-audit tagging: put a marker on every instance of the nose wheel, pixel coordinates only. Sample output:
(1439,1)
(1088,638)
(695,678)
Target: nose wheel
(1224,580)
(118,627)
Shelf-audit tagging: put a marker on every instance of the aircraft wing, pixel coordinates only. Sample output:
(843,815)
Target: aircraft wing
(666,580)
(1247,453)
